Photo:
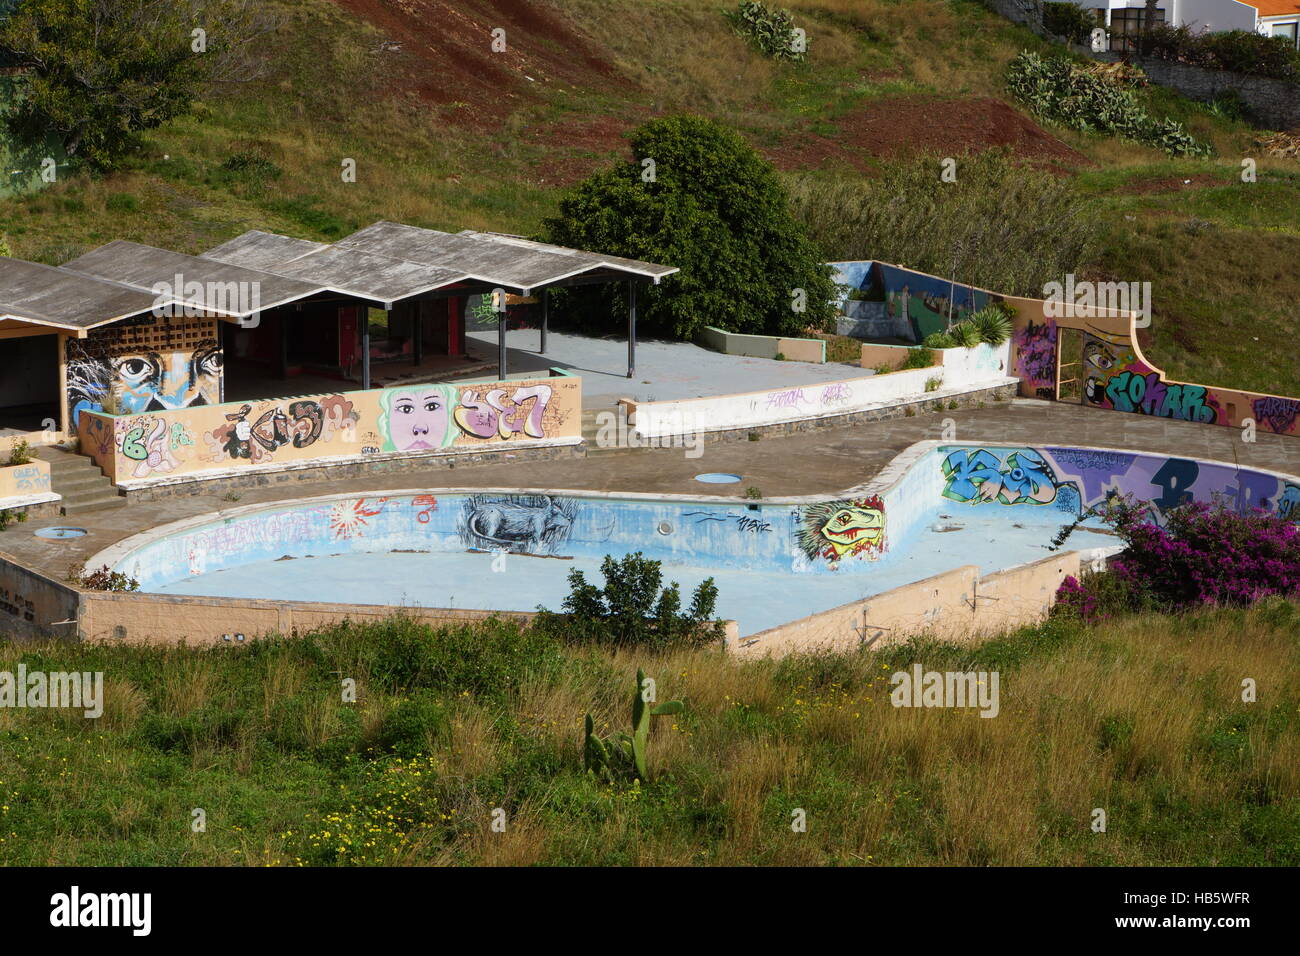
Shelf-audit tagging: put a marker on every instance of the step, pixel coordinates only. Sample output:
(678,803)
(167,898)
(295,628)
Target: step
(63,485)
(81,509)
(90,495)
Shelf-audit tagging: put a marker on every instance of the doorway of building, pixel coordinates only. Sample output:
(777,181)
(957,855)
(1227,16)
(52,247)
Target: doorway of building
(29,385)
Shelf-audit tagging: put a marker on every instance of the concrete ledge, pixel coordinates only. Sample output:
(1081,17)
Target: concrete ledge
(35,506)
(335,469)
(971,398)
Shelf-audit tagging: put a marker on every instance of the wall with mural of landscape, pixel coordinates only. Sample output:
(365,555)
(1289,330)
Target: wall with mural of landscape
(153,446)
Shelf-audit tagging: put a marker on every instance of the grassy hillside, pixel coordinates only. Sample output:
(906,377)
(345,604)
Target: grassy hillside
(449,135)
(1141,717)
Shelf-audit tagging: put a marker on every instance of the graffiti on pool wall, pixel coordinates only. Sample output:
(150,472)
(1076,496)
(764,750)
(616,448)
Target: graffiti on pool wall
(524,524)
(417,417)
(835,530)
(1083,479)
(1131,391)
(1278,413)
(978,475)
(1036,357)
(349,519)
(255,437)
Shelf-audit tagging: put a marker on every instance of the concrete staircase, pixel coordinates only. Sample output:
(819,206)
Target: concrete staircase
(590,427)
(78,479)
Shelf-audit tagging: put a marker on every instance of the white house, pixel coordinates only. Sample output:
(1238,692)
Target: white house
(1126,18)
(1280,18)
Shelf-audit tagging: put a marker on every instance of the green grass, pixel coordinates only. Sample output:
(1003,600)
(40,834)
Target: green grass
(1141,716)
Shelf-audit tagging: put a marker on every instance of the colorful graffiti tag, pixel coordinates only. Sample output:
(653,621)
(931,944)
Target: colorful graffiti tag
(1036,357)
(1078,479)
(835,530)
(1023,477)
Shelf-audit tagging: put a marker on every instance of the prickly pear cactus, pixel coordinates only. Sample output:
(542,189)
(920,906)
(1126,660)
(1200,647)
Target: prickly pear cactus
(622,756)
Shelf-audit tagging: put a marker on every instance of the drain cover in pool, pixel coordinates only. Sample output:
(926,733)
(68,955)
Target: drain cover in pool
(60,532)
(717,478)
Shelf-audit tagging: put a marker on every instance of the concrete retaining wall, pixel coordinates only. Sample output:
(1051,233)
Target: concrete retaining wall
(958,605)
(763,346)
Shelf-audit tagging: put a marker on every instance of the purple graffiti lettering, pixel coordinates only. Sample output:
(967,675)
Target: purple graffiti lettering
(1278,413)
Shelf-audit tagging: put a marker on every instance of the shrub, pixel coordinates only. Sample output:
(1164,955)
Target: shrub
(1202,554)
(102,579)
(918,358)
(932,384)
(414,727)
(1240,51)
(1069,20)
(939,340)
(771,31)
(632,610)
(992,324)
(966,335)
(715,209)
(1054,229)
(1058,90)
(20,453)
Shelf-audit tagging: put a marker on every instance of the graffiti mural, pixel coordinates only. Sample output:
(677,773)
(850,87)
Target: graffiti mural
(1076,480)
(417,417)
(1022,477)
(835,530)
(1036,358)
(524,524)
(147,365)
(502,412)
(407,419)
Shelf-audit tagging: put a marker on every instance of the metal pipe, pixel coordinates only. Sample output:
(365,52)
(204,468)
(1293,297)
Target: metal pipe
(631,329)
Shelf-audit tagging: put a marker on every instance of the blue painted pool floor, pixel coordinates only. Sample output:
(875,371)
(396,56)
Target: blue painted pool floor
(757,600)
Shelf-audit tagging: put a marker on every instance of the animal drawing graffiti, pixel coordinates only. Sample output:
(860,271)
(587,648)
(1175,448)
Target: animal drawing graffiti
(525,524)
(979,475)
(835,530)
(502,413)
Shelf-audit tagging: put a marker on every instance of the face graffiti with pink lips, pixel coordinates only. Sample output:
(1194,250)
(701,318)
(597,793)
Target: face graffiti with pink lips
(418,417)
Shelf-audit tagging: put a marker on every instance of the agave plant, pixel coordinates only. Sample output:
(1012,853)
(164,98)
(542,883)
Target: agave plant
(965,335)
(939,340)
(992,324)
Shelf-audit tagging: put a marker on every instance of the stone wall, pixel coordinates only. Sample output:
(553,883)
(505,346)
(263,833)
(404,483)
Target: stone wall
(1273,104)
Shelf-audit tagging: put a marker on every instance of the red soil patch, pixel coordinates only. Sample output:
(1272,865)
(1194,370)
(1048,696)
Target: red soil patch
(900,126)
(446,54)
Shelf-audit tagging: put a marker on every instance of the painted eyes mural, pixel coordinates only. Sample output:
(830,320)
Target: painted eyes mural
(110,372)
(979,475)
(834,530)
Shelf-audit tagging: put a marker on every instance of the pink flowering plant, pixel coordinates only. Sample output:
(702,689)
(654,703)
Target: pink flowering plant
(1201,554)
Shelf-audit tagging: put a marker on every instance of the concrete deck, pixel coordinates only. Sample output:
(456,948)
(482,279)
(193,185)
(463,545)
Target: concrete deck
(664,370)
(824,461)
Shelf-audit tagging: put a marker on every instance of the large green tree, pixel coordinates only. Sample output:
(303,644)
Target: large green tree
(695,195)
(98,72)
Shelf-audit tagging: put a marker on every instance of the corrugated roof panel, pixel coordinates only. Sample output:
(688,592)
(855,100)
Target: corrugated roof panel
(497,263)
